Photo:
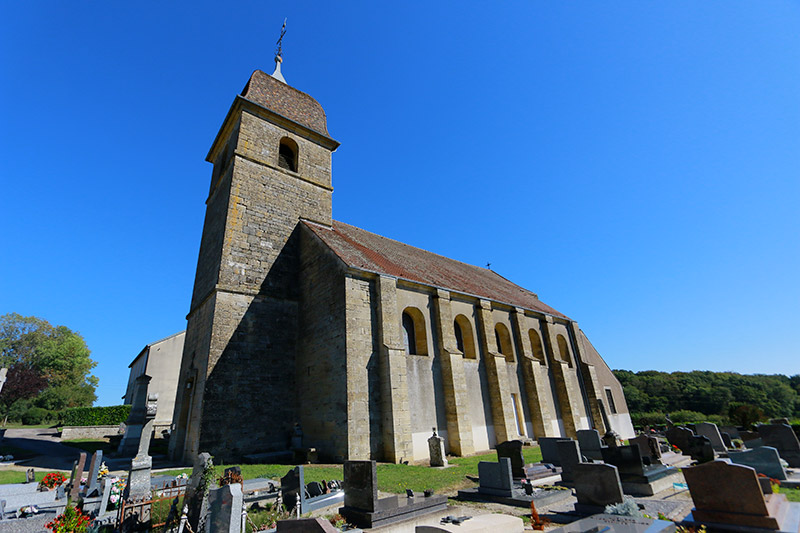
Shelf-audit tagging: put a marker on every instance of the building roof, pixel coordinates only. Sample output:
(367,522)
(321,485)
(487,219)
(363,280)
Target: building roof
(286,101)
(369,252)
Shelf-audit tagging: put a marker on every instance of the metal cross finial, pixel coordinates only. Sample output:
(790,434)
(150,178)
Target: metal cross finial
(279,50)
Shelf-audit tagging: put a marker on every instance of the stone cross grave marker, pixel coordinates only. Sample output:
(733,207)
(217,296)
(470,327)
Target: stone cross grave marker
(569,454)
(225,509)
(496,478)
(75,489)
(590,443)
(596,485)
(765,460)
(707,429)
(140,471)
(436,450)
(512,449)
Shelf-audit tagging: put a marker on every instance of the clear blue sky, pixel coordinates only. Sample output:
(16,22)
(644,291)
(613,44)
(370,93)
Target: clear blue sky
(636,164)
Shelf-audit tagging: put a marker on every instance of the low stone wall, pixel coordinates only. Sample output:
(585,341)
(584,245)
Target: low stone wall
(88,432)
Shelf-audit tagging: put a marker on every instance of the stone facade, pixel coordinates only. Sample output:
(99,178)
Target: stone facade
(298,318)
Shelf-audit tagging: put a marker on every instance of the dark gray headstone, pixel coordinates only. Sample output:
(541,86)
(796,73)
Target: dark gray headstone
(597,484)
(569,454)
(679,436)
(782,438)
(726,439)
(627,459)
(360,485)
(225,509)
(292,486)
(648,447)
(707,429)
(496,478)
(700,449)
(314,489)
(513,450)
(549,451)
(590,443)
(764,459)
(733,431)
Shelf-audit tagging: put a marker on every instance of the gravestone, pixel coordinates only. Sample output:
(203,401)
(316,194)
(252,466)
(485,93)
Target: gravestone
(360,485)
(733,431)
(549,451)
(139,475)
(782,438)
(196,496)
(648,447)
(305,525)
(134,425)
(512,449)
(726,439)
(292,486)
(93,485)
(765,460)
(363,508)
(496,479)
(607,523)
(636,477)
(782,421)
(679,436)
(225,509)
(731,495)
(315,489)
(436,450)
(590,443)
(596,485)
(700,449)
(748,435)
(30,476)
(75,488)
(707,429)
(612,439)
(569,454)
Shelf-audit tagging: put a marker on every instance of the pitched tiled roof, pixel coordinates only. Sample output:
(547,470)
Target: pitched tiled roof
(286,101)
(367,251)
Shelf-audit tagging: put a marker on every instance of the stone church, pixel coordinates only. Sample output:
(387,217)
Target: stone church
(366,342)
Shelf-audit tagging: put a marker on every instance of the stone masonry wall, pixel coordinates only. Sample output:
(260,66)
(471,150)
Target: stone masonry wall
(321,358)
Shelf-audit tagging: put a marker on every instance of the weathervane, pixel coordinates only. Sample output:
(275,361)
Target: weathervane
(279,50)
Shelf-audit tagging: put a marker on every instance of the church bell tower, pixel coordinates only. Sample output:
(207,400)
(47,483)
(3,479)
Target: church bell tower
(271,168)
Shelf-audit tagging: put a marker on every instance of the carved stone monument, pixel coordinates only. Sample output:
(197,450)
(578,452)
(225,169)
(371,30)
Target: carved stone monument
(139,476)
(436,450)
(134,426)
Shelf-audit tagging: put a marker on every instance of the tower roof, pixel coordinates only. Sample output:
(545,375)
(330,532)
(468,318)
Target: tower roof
(367,251)
(286,101)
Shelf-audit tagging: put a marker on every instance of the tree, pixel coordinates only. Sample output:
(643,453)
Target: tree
(49,366)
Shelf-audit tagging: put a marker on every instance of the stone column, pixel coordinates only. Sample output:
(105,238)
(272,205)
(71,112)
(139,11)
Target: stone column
(395,413)
(536,381)
(139,476)
(456,400)
(560,371)
(499,391)
(134,425)
(590,382)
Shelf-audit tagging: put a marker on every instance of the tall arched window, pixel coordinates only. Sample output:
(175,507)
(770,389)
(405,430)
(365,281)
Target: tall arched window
(414,336)
(465,338)
(503,339)
(287,154)
(536,345)
(563,350)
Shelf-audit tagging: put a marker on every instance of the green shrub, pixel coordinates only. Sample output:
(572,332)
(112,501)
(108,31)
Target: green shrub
(653,418)
(96,416)
(35,415)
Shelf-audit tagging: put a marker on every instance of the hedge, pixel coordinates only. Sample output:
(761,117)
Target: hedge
(96,416)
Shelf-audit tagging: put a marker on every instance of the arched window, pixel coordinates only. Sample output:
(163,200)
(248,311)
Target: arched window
(414,337)
(287,154)
(465,339)
(563,350)
(503,339)
(536,345)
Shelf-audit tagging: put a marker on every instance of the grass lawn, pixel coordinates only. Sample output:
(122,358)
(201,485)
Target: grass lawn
(90,445)
(391,477)
(793,495)
(14,476)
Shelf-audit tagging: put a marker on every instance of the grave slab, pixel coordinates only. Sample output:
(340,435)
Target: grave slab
(782,438)
(485,523)
(617,524)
